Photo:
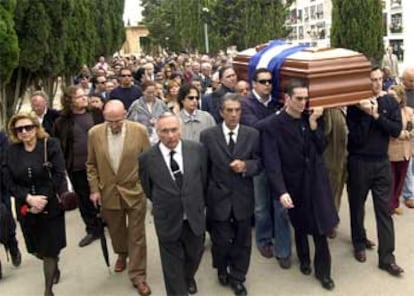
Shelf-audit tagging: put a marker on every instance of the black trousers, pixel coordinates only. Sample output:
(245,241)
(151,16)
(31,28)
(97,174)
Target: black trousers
(231,247)
(322,259)
(180,260)
(363,176)
(12,241)
(87,210)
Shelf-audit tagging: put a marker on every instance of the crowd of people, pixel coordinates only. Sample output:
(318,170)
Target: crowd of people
(212,154)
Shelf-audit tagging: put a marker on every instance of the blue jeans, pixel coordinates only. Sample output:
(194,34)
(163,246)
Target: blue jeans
(408,191)
(271,219)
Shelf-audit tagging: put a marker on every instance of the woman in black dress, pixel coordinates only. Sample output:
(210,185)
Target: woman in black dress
(38,211)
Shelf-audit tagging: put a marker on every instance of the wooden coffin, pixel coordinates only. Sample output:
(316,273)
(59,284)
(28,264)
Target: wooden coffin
(336,76)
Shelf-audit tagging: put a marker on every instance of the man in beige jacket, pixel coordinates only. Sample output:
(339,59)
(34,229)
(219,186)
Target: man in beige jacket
(112,166)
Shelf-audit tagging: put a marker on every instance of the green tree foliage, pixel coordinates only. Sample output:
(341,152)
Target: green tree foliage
(357,25)
(54,39)
(178,24)
(9,53)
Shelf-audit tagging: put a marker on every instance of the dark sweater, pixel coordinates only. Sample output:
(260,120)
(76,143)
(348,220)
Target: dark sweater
(368,138)
(253,111)
(126,94)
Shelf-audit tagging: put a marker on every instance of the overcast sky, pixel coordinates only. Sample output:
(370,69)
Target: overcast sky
(132,11)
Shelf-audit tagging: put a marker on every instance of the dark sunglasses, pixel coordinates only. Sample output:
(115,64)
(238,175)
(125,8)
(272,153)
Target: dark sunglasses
(27,128)
(192,97)
(265,81)
(126,75)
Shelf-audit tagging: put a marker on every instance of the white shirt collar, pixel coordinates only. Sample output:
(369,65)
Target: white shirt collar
(166,151)
(226,131)
(259,98)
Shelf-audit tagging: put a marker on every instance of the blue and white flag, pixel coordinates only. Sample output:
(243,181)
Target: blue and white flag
(272,57)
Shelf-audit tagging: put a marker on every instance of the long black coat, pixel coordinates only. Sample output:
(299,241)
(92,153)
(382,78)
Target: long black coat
(292,156)
(44,233)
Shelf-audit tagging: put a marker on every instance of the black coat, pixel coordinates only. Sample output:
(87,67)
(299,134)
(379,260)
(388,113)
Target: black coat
(44,233)
(49,120)
(229,192)
(292,156)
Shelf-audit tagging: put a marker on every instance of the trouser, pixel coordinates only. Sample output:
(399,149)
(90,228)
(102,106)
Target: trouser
(271,219)
(128,237)
(231,248)
(322,259)
(12,244)
(180,260)
(399,172)
(87,210)
(408,189)
(363,176)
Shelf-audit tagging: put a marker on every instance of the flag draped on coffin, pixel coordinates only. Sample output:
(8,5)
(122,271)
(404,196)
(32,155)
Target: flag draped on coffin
(272,57)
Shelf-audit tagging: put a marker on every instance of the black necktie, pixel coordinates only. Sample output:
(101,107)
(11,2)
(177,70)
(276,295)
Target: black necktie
(178,176)
(231,142)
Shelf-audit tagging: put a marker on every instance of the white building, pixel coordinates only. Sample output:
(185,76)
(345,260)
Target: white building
(310,21)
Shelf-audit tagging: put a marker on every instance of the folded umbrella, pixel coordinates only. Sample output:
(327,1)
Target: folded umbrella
(101,229)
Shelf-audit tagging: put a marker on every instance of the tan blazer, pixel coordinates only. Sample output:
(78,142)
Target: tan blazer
(400,149)
(101,177)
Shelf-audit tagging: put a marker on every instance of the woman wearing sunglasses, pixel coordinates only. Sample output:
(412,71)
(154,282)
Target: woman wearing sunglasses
(194,120)
(26,168)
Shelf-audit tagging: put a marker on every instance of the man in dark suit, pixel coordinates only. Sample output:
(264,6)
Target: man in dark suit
(174,175)
(47,116)
(233,153)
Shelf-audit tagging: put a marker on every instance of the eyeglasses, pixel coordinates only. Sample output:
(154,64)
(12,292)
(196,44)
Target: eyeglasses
(126,75)
(85,77)
(101,82)
(192,97)
(27,128)
(265,81)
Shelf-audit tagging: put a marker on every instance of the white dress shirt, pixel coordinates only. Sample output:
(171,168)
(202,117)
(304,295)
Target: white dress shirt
(178,157)
(226,132)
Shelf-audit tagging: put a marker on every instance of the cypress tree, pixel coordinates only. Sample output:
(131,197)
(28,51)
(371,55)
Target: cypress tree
(357,25)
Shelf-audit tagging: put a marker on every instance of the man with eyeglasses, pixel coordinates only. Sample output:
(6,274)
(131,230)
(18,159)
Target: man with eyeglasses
(113,148)
(292,145)
(100,88)
(371,123)
(126,92)
(174,176)
(271,219)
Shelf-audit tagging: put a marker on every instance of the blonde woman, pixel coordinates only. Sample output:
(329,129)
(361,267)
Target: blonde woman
(34,188)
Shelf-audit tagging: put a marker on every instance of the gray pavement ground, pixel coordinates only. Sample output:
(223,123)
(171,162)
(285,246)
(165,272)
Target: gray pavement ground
(84,271)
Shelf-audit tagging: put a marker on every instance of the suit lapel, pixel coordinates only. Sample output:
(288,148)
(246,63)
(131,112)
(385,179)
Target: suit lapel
(126,144)
(187,157)
(105,146)
(241,137)
(221,140)
(158,162)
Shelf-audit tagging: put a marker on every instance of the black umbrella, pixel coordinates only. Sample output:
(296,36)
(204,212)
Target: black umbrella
(101,228)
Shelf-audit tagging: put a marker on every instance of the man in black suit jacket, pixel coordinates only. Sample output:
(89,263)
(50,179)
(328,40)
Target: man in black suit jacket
(47,116)
(174,176)
(233,153)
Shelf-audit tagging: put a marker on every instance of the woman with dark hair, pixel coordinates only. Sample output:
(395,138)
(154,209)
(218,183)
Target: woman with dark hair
(147,109)
(194,120)
(34,184)
(71,128)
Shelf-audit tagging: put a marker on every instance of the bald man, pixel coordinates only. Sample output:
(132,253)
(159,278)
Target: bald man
(112,166)
(408,189)
(242,88)
(47,116)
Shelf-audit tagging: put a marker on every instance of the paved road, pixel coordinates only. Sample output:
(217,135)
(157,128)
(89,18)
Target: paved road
(84,271)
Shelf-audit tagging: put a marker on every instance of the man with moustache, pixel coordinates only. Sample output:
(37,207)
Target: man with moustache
(174,175)
(113,148)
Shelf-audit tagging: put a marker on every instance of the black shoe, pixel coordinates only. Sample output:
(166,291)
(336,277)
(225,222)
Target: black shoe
(239,289)
(192,286)
(369,244)
(16,258)
(87,240)
(223,278)
(326,282)
(284,263)
(392,269)
(305,268)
